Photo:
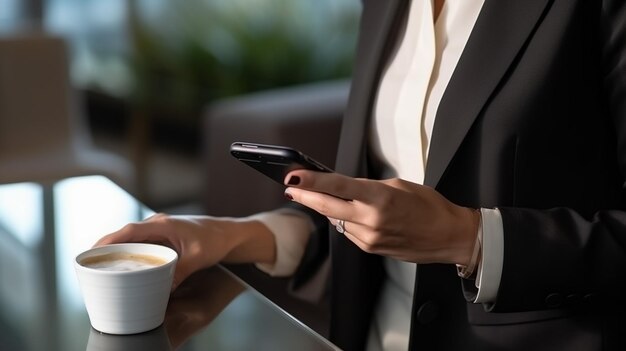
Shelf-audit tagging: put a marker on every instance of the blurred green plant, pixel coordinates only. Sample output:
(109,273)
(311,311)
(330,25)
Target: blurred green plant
(188,52)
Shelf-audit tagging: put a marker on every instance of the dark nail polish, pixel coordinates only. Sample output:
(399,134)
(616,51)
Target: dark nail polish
(288,196)
(293,180)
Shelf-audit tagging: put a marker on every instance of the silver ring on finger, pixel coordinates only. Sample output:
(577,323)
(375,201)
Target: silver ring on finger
(340,226)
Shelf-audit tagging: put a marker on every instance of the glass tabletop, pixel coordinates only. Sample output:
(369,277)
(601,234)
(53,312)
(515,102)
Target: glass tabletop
(44,226)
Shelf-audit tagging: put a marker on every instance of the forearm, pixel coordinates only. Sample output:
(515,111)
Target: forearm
(248,241)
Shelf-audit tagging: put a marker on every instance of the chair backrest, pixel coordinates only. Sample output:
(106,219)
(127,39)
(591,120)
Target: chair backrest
(37,110)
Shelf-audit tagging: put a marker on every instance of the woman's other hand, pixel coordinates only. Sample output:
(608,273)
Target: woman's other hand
(200,241)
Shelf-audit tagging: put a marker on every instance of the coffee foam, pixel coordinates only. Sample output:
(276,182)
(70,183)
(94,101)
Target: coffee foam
(122,261)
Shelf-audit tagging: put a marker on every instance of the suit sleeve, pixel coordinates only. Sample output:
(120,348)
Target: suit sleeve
(557,258)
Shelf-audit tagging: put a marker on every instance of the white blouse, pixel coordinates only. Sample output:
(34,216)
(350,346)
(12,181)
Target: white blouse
(406,105)
(409,94)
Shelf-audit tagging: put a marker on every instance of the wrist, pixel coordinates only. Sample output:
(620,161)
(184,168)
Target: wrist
(249,241)
(468,262)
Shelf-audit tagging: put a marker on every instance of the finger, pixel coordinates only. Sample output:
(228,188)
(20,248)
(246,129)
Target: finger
(365,238)
(333,184)
(146,231)
(371,241)
(338,224)
(361,236)
(327,205)
(354,230)
(123,235)
(129,233)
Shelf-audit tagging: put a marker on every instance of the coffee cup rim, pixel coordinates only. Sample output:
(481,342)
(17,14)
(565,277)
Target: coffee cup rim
(171,256)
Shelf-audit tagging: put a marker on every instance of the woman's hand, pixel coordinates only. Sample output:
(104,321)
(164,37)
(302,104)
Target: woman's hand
(200,241)
(394,218)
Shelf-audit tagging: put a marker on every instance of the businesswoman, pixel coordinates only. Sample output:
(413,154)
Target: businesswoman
(478,202)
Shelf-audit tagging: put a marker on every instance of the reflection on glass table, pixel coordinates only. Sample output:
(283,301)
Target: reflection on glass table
(44,226)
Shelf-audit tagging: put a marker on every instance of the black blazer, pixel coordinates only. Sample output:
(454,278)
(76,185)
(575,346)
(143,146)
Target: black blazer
(533,122)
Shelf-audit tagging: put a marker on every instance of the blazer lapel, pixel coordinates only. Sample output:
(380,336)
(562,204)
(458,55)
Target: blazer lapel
(350,322)
(379,25)
(500,32)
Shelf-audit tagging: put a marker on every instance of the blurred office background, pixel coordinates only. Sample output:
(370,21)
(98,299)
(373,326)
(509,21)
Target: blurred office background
(147,70)
(160,88)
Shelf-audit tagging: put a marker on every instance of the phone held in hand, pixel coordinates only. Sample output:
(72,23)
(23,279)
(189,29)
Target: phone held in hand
(274,161)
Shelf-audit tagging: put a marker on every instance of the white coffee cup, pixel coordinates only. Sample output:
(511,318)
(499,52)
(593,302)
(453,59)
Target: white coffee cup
(131,300)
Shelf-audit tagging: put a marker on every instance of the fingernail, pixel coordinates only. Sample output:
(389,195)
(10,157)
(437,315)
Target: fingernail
(293,180)
(288,196)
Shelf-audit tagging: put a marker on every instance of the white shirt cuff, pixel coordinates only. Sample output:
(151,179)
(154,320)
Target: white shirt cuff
(291,229)
(490,266)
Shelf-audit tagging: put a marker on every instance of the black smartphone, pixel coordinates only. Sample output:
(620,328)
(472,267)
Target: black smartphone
(274,161)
